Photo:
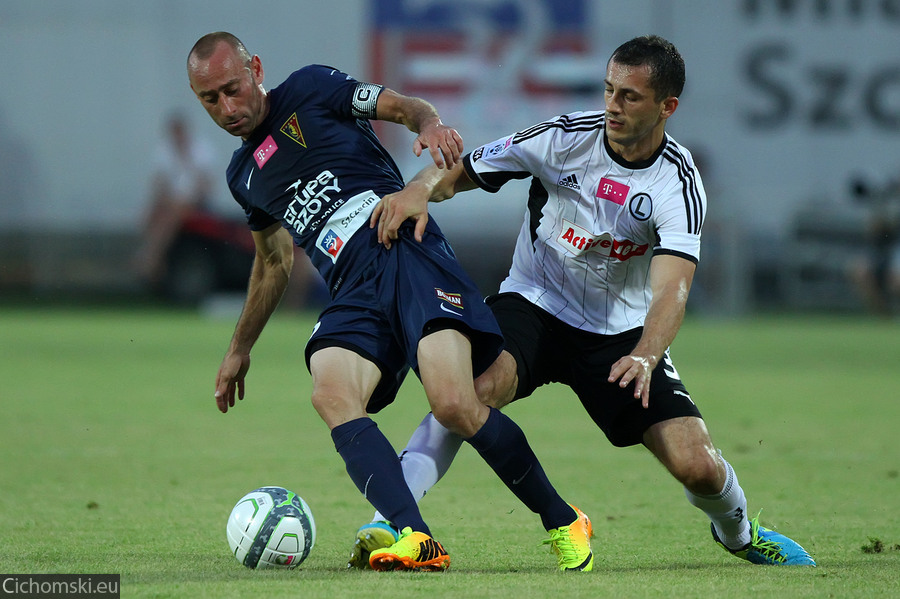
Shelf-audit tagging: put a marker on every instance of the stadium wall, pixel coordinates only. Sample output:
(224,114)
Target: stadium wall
(785,102)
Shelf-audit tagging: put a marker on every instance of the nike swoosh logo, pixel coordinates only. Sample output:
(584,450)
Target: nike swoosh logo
(446,309)
(250,177)
(521,478)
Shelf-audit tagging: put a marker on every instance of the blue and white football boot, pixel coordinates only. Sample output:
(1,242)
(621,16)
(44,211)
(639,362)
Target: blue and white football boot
(769,548)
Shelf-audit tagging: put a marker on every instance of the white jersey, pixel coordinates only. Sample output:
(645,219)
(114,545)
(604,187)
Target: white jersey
(593,220)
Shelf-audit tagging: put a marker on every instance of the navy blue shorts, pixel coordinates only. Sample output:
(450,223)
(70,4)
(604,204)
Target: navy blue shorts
(407,292)
(548,350)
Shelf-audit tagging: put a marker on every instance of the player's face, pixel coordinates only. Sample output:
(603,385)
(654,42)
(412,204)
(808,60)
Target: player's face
(635,120)
(230,90)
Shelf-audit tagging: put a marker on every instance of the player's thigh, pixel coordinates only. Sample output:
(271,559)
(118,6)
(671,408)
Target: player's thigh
(352,322)
(343,381)
(445,367)
(615,410)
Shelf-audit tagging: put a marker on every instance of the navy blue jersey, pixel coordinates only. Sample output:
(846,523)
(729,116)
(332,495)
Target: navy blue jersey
(316,166)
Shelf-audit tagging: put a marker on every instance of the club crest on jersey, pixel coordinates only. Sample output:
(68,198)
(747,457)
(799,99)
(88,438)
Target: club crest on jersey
(640,206)
(454,299)
(265,151)
(332,243)
(492,150)
(579,241)
(613,191)
(291,128)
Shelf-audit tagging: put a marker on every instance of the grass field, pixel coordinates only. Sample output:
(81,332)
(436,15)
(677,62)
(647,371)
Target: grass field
(115,460)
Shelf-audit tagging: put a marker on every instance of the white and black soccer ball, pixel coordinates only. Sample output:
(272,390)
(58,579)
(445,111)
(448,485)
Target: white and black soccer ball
(271,527)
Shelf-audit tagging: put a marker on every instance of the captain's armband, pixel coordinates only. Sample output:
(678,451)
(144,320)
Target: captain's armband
(365,96)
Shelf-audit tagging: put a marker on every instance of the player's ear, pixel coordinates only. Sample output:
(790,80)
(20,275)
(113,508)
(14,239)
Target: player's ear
(256,69)
(668,106)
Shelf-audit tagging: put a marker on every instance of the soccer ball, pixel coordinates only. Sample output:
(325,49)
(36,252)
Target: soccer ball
(271,527)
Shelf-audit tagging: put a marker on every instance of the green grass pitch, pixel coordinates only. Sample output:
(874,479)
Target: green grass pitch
(115,460)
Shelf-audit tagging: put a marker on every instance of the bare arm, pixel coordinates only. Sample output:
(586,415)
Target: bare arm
(431,184)
(268,280)
(419,116)
(670,282)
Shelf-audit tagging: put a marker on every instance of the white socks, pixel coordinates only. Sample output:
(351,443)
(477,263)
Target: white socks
(727,510)
(431,450)
(427,457)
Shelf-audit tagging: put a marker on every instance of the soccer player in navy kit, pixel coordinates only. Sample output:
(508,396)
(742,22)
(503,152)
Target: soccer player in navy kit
(310,171)
(599,282)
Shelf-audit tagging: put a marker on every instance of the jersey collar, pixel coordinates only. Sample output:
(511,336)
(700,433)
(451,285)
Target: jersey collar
(640,164)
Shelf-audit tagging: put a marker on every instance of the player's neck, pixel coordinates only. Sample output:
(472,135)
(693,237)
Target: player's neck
(640,150)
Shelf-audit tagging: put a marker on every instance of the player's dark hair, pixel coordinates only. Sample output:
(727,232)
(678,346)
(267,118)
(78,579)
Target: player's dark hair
(206,45)
(666,64)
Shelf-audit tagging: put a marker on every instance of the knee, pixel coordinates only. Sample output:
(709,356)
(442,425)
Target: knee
(702,473)
(334,406)
(459,413)
(321,401)
(449,411)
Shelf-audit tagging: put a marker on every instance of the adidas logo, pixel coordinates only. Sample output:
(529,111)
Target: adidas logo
(571,181)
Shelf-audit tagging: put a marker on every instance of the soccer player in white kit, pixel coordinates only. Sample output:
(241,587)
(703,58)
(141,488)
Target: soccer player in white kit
(598,286)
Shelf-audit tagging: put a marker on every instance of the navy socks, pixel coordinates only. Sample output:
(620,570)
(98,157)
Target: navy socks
(375,469)
(502,444)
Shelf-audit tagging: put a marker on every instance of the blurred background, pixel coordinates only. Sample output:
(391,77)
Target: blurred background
(792,110)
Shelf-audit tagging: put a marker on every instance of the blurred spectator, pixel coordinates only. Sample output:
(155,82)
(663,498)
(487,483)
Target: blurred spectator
(877,273)
(183,171)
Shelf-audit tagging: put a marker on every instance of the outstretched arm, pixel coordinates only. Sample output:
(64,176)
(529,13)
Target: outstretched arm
(431,184)
(419,116)
(268,280)
(670,282)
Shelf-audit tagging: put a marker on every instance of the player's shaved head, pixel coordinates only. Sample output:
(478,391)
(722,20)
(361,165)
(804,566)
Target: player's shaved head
(207,44)
(228,82)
